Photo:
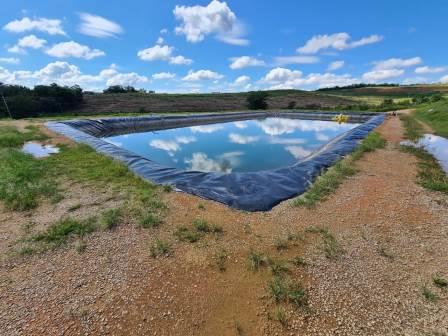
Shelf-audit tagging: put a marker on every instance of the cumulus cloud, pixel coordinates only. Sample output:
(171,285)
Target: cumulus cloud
(394,63)
(200,162)
(162,53)
(98,26)
(245,61)
(206,128)
(169,146)
(444,79)
(286,141)
(338,41)
(217,19)
(164,75)
(185,139)
(202,75)
(335,65)
(9,60)
(242,80)
(240,124)
(284,60)
(283,78)
(74,49)
(27,42)
(242,139)
(50,26)
(430,70)
(279,126)
(379,75)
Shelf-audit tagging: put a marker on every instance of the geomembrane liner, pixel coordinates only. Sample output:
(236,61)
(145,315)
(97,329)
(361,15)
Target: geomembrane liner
(250,191)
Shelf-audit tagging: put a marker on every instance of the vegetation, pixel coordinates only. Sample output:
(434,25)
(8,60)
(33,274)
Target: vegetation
(186,234)
(328,182)
(286,290)
(357,86)
(428,294)
(279,315)
(159,248)
(439,281)
(435,114)
(256,100)
(330,245)
(257,260)
(119,89)
(42,100)
(220,258)
(111,218)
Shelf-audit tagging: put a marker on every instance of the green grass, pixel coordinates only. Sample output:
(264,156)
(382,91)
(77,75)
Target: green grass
(111,218)
(257,260)
(428,294)
(11,137)
(149,219)
(279,315)
(159,248)
(287,290)
(186,234)
(328,182)
(430,175)
(278,267)
(439,281)
(330,245)
(59,233)
(281,244)
(220,259)
(435,115)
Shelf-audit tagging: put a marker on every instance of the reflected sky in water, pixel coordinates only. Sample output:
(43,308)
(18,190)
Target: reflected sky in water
(436,145)
(239,146)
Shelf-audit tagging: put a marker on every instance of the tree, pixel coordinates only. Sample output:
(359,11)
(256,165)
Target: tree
(256,100)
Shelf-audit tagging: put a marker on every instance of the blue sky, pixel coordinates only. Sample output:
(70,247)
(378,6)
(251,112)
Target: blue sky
(203,46)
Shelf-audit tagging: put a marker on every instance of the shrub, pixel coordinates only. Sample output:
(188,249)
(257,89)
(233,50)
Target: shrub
(257,100)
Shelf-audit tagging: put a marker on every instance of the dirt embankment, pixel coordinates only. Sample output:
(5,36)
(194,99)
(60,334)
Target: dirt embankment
(116,103)
(392,233)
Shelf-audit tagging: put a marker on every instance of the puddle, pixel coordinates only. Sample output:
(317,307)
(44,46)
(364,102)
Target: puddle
(39,150)
(436,145)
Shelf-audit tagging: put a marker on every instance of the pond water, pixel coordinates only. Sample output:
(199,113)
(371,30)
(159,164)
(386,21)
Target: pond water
(39,150)
(434,144)
(240,146)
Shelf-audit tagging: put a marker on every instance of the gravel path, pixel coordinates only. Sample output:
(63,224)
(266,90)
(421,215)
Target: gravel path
(393,233)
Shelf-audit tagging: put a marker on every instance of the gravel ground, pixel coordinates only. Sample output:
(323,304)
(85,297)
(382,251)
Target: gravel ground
(393,235)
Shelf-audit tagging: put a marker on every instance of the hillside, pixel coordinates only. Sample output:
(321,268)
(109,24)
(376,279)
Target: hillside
(137,102)
(389,91)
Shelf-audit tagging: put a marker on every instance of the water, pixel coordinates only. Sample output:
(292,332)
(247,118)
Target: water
(239,146)
(38,150)
(436,145)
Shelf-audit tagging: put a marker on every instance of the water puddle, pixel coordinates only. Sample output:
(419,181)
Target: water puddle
(39,150)
(436,145)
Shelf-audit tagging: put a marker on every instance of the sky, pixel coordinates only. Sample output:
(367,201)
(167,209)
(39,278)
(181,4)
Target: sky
(222,46)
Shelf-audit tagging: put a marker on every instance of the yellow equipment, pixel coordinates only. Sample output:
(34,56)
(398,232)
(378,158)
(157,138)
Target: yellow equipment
(341,118)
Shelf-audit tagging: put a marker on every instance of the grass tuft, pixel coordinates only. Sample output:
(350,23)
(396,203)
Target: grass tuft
(220,258)
(257,260)
(281,244)
(279,315)
(186,234)
(428,294)
(148,219)
(159,248)
(286,290)
(111,218)
(439,281)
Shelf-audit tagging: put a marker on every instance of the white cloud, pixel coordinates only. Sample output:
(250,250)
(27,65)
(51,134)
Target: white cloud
(277,75)
(202,75)
(164,75)
(279,126)
(126,79)
(415,80)
(73,49)
(160,40)
(338,41)
(379,75)
(98,26)
(242,139)
(322,137)
(286,141)
(335,65)
(196,22)
(240,124)
(162,53)
(50,26)
(284,60)
(242,80)
(201,162)
(206,128)
(186,139)
(395,63)
(297,151)
(245,61)
(163,31)
(9,60)
(444,79)
(430,70)
(166,145)
(30,41)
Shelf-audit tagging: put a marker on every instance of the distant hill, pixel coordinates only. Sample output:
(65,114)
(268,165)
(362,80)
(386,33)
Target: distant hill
(101,103)
(388,91)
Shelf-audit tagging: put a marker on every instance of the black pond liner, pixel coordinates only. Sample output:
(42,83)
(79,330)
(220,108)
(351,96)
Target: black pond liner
(250,191)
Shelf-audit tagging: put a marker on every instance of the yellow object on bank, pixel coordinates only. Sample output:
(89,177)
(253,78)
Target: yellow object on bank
(341,118)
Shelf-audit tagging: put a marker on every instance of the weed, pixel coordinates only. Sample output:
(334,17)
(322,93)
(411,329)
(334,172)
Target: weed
(111,218)
(201,206)
(286,290)
(220,258)
(81,246)
(26,250)
(385,253)
(185,234)
(330,245)
(278,268)
(279,315)
(257,260)
(294,236)
(428,294)
(439,281)
(167,188)
(299,261)
(159,248)
(148,219)
(281,244)
(58,233)
(238,328)
(201,225)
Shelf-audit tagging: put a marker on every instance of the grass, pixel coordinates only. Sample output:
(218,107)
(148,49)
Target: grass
(257,260)
(186,234)
(435,115)
(278,268)
(59,233)
(220,259)
(203,226)
(111,218)
(430,175)
(279,315)
(299,261)
(149,219)
(428,294)
(287,290)
(10,137)
(439,281)
(281,244)
(330,245)
(328,182)
(159,248)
